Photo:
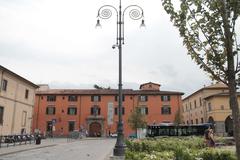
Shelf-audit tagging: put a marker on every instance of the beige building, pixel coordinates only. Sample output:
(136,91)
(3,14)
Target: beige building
(209,105)
(16,103)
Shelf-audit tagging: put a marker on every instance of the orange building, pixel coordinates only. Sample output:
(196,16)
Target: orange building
(61,111)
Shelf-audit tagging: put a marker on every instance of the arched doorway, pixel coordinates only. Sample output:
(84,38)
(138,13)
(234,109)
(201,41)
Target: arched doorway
(229,126)
(95,129)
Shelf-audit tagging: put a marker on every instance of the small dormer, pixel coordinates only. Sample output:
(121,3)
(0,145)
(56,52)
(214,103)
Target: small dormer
(150,86)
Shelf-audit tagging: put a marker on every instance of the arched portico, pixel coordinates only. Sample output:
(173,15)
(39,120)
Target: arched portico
(95,126)
(95,129)
(229,125)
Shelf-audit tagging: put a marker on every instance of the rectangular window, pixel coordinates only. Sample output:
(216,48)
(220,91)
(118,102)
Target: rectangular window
(1,115)
(166,110)
(51,98)
(72,110)
(196,121)
(95,110)
(49,126)
(95,98)
(200,101)
(116,98)
(190,106)
(201,120)
(71,126)
(50,110)
(116,110)
(191,121)
(222,107)
(143,98)
(165,98)
(143,110)
(4,85)
(72,98)
(24,118)
(26,93)
(209,106)
(195,104)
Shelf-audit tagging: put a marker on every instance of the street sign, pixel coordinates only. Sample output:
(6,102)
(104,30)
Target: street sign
(54,121)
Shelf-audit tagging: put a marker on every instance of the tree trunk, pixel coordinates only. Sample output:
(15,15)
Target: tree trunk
(235,113)
(231,77)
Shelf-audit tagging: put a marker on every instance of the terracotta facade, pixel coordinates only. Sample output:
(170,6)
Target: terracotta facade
(96,111)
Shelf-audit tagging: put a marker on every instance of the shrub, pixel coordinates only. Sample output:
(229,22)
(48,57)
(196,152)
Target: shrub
(184,148)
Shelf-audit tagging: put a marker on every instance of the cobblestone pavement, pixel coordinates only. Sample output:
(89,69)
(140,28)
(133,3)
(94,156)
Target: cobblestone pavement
(61,149)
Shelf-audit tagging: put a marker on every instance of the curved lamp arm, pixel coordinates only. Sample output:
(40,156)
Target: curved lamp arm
(105,12)
(135,13)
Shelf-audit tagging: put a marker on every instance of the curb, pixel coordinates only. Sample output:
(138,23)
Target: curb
(28,149)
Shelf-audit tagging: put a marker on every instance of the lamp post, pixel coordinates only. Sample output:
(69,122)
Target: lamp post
(135,13)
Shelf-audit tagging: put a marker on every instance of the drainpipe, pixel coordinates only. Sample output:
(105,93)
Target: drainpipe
(1,81)
(14,109)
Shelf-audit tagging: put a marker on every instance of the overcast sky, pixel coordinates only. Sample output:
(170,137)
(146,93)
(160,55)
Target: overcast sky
(55,42)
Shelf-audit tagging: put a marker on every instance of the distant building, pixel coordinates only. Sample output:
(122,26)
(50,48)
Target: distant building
(16,103)
(209,105)
(60,111)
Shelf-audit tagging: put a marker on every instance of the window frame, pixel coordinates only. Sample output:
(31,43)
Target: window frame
(1,114)
(48,112)
(4,84)
(26,94)
(165,98)
(143,98)
(72,98)
(51,98)
(72,108)
(164,111)
(69,128)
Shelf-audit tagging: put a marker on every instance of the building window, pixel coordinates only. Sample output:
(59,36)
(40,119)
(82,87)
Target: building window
(72,110)
(190,106)
(191,121)
(165,98)
(143,98)
(72,98)
(195,104)
(1,115)
(186,107)
(200,101)
(143,110)
(166,110)
(95,98)
(4,85)
(116,110)
(209,106)
(26,93)
(51,98)
(187,122)
(95,110)
(49,126)
(24,118)
(50,110)
(222,107)
(71,126)
(196,121)
(123,98)
(201,120)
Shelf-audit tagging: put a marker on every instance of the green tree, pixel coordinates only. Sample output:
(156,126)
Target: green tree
(100,87)
(137,120)
(178,117)
(208,29)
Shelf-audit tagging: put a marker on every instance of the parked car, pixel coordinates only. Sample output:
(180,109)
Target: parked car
(113,135)
(132,136)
